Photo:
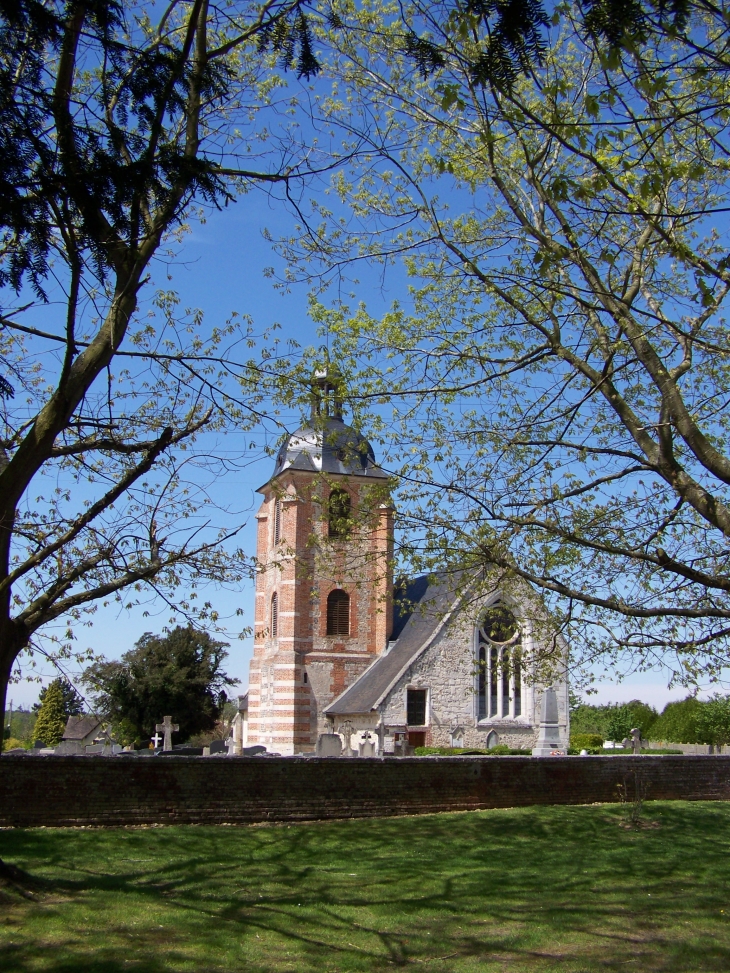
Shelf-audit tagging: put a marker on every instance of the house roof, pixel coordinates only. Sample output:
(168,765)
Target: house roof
(79,727)
(426,607)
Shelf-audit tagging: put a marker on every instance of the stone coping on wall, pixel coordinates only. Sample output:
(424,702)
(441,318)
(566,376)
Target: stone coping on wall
(82,791)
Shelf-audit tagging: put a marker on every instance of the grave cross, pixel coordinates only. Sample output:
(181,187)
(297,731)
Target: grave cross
(156,739)
(347,730)
(168,728)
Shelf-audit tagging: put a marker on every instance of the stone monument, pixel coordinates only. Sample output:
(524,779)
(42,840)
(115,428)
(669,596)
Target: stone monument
(366,746)
(636,740)
(548,740)
(329,745)
(167,727)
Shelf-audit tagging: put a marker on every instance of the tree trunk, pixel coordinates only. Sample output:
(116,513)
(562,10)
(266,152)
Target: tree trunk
(9,648)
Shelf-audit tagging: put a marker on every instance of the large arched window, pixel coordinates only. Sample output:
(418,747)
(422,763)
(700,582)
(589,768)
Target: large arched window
(499,666)
(274,616)
(338,612)
(338,510)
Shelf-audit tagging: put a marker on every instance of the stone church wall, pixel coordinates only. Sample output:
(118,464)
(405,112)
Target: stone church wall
(447,671)
(69,791)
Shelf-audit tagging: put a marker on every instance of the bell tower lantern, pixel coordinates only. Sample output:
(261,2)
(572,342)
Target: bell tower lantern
(324,588)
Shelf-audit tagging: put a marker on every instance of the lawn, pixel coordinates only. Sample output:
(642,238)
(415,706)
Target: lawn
(533,889)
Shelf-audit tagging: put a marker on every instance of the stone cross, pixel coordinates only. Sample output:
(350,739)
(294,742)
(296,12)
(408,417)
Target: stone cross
(636,740)
(156,739)
(347,730)
(168,728)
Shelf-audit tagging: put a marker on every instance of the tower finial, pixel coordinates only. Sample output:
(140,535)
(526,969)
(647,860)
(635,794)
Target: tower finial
(327,389)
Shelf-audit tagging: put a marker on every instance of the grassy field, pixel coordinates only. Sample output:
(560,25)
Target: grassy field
(534,889)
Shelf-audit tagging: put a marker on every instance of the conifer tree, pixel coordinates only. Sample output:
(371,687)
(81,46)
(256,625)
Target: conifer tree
(73,704)
(51,720)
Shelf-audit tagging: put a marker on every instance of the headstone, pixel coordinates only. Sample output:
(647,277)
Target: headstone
(636,740)
(168,728)
(217,746)
(156,740)
(70,748)
(548,740)
(389,743)
(367,746)
(347,729)
(329,745)
(255,751)
(206,751)
(230,744)
(180,751)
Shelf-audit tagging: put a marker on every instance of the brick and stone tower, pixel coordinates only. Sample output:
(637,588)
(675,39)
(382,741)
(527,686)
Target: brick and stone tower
(324,591)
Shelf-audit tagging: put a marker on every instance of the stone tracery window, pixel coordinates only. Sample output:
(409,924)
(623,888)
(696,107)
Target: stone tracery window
(499,665)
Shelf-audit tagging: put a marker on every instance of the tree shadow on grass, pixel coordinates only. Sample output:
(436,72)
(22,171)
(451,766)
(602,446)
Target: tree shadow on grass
(534,889)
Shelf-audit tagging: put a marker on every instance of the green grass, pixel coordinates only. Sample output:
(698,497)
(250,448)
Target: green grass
(533,889)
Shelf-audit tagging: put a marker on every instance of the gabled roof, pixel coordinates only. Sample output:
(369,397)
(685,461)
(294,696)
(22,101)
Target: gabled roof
(79,727)
(428,604)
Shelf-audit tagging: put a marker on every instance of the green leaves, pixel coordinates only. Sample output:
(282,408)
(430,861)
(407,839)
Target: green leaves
(554,379)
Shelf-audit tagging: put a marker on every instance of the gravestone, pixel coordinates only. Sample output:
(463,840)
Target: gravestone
(70,748)
(548,740)
(230,744)
(167,727)
(217,746)
(329,745)
(636,740)
(367,745)
(180,751)
(347,730)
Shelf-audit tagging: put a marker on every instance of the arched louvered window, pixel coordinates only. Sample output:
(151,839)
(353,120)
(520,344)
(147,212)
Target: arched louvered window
(338,612)
(277,521)
(339,513)
(274,615)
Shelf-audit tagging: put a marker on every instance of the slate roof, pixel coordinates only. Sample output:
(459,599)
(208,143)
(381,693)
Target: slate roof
(79,727)
(332,448)
(428,604)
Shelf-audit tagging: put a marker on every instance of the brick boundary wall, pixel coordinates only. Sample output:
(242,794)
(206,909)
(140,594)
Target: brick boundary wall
(72,791)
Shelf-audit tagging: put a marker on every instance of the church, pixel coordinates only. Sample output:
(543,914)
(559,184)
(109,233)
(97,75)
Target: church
(445,660)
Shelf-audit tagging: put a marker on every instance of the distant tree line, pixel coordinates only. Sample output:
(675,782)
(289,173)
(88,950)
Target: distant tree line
(689,720)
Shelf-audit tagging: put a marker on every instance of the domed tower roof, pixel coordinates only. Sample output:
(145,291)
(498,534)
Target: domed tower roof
(326,444)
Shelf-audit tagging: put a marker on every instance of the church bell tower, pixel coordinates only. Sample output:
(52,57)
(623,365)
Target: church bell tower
(324,588)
